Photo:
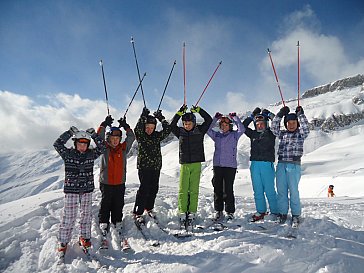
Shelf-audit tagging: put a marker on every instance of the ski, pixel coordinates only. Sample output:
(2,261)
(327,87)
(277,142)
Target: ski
(146,236)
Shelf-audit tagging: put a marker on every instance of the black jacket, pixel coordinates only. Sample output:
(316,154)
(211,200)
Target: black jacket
(262,144)
(191,148)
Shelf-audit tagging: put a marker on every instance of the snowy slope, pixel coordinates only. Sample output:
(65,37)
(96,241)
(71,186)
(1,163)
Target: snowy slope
(331,238)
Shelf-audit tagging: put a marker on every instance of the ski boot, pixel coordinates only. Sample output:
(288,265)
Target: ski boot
(152,214)
(139,220)
(258,216)
(218,216)
(190,222)
(295,221)
(281,218)
(85,244)
(229,216)
(62,247)
(104,232)
(182,221)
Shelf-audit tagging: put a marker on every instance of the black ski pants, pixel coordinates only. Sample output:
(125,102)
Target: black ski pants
(112,202)
(223,182)
(148,189)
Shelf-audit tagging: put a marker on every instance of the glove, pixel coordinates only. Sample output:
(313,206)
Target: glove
(283,112)
(107,122)
(182,110)
(90,131)
(195,109)
(123,124)
(73,130)
(158,115)
(265,113)
(218,115)
(145,112)
(299,110)
(256,111)
(232,115)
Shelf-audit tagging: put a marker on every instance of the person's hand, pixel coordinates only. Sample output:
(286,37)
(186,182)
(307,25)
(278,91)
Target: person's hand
(268,114)
(256,111)
(90,131)
(74,130)
(158,115)
(182,110)
(107,122)
(232,115)
(195,109)
(218,115)
(145,112)
(299,110)
(283,112)
(123,123)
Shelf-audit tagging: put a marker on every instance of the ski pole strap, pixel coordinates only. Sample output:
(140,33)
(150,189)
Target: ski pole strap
(275,74)
(208,83)
(165,88)
(103,77)
(136,91)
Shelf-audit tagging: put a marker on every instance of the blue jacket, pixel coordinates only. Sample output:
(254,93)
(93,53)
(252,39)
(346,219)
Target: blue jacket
(226,144)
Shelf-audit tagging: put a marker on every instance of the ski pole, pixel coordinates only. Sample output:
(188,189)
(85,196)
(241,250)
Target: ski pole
(208,83)
(103,77)
(165,88)
(136,91)
(184,73)
(275,74)
(298,73)
(137,66)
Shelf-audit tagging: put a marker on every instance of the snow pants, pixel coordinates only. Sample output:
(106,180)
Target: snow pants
(112,202)
(223,182)
(148,189)
(189,185)
(71,203)
(288,177)
(262,174)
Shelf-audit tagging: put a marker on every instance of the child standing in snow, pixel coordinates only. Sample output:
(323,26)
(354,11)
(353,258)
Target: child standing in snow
(78,183)
(149,161)
(290,151)
(113,173)
(262,159)
(225,164)
(191,154)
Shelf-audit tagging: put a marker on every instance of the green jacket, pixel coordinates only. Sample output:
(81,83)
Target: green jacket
(149,148)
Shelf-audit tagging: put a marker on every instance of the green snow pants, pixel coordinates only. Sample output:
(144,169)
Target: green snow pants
(189,185)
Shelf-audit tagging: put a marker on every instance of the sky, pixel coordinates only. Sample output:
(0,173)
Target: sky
(50,52)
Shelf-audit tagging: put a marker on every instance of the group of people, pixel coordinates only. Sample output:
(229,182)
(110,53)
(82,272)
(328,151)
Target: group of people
(79,162)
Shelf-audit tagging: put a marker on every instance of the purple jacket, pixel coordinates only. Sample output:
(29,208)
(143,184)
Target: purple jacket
(226,144)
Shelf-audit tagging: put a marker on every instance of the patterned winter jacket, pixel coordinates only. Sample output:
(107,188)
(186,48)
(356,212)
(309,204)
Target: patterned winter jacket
(113,160)
(290,147)
(149,146)
(191,147)
(79,173)
(226,144)
(262,143)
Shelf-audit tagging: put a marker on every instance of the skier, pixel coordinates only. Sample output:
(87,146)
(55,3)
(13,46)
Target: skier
(149,162)
(290,151)
(113,173)
(78,183)
(262,159)
(191,154)
(225,164)
(330,191)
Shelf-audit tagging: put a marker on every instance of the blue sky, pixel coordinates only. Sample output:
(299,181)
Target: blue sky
(54,47)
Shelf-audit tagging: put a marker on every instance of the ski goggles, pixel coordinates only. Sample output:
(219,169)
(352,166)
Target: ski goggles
(259,118)
(83,140)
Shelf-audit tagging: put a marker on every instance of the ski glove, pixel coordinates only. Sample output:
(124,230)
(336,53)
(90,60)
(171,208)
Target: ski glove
(107,122)
(218,115)
(145,112)
(232,115)
(123,124)
(158,115)
(299,110)
(283,112)
(90,131)
(182,110)
(268,114)
(195,109)
(73,130)
(256,111)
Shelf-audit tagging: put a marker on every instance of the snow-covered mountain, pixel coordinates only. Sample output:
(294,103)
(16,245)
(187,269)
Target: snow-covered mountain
(331,238)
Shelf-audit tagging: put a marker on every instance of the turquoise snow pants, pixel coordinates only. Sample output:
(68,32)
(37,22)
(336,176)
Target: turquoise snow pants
(189,185)
(288,176)
(262,175)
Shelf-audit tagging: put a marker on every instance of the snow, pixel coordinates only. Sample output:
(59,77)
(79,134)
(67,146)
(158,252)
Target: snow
(330,239)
